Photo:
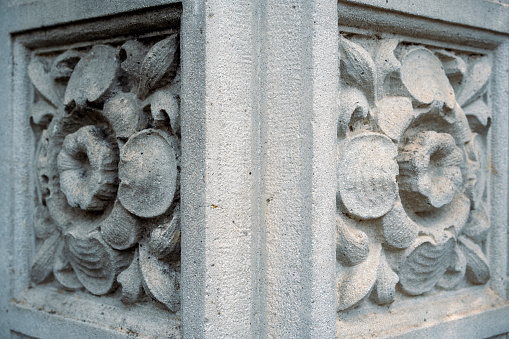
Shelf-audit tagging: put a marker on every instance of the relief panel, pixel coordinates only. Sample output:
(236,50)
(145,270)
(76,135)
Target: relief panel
(413,168)
(106,119)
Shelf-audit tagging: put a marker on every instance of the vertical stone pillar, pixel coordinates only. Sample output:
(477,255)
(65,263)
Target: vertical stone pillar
(219,181)
(258,192)
(299,76)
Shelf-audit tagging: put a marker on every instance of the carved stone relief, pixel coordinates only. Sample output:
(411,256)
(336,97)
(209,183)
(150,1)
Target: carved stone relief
(107,124)
(412,158)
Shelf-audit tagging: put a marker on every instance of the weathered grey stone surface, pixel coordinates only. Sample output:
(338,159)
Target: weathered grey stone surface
(326,169)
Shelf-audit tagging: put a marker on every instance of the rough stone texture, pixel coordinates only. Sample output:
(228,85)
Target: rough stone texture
(268,248)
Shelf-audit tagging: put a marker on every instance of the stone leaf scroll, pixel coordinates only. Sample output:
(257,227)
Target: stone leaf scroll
(107,124)
(412,208)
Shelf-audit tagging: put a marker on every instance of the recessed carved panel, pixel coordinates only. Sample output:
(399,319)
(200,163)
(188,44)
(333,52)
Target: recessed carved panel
(413,167)
(107,123)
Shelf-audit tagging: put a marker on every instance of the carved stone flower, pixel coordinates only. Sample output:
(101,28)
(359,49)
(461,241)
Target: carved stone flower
(420,223)
(87,166)
(430,172)
(108,166)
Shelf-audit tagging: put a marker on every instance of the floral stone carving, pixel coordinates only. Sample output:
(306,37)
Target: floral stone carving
(412,170)
(106,120)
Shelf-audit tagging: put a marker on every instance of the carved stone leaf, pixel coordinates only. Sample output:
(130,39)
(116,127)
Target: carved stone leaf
(399,230)
(95,263)
(64,65)
(130,279)
(161,280)
(460,129)
(165,239)
(353,106)
(124,113)
(165,108)
(386,62)
(94,77)
(424,263)
(478,225)
(355,283)
(42,113)
(131,54)
(455,272)
(44,226)
(478,269)
(42,267)
(479,116)
(475,171)
(367,175)
(352,245)
(148,174)
(358,64)
(475,81)
(453,65)
(42,80)
(384,290)
(394,115)
(156,64)
(423,76)
(63,271)
(121,229)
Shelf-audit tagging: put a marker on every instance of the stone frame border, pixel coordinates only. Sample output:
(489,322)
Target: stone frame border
(62,313)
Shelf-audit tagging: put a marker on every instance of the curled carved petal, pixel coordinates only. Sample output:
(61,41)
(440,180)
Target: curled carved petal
(44,226)
(148,174)
(394,115)
(453,65)
(478,224)
(386,62)
(423,76)
(478,270)
(475,81)
(424,263)
(455,272)
(93,77)
(64,65)
(87,165)
(161,280)
(165,108)
(367,175)
(358,65)
(479,116)
(124,113)
(42,80)
(42,113)
(354,283)
(429,170)
(121,229)
(96,264)
(399,230)
(130,279)
(42,267)
(384,290)
(165,239)
(63,271)
(352,245)
(157,63)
